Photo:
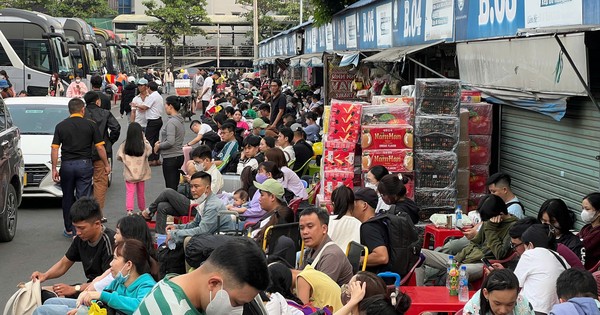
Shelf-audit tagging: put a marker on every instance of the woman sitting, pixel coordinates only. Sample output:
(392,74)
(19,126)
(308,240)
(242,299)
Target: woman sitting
(499,294)
(343,227)
(131,269)
(290,180)
(556,214)
(375,174)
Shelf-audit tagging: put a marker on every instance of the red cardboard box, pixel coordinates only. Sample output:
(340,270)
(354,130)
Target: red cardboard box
(387,137)
(387,115)
(474,201)
(344,122)
(396,160)
(339,155)
(479,175)
(480,152)
(480,118)
(467,96)
(391,100)
(334,179)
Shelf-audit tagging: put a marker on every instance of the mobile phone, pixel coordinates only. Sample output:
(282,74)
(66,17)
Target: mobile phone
(460,228)
(486,262)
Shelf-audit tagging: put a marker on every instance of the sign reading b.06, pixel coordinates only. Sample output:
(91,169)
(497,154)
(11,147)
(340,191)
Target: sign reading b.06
(495,11)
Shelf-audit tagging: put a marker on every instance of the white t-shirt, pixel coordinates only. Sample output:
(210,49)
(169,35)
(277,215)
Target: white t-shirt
(344,230)
(290,154)
(140,116)
(154,101)
(204,128)
(208,83)
(537,279)
(515,209)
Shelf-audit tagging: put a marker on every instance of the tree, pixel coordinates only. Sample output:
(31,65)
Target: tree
(325,9)
(267,25)
(175,19)
(65,8)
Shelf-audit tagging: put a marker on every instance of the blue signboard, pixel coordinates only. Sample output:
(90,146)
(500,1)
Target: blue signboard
(366,28)
(420,21)
(308,40)
(591,12)
(339,33)
(476,19)
(321,39)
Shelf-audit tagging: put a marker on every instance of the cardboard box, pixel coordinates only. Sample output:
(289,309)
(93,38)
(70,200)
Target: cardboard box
(334,179)
(344,122)
(467,96)
(339,155)
(480,118)
(387,137)
(479,175)
(392,100)
(387,115)
(480,150)
(464,154)
(462,184)
(397,160)
(464,124)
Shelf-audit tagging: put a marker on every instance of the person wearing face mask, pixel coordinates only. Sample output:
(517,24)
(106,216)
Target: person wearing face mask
(590,233)
(560,220)
(130,268)
(55,87)
(374,175)
(170,202)
(77,88)
(392,190)
(222,284)
(202,162)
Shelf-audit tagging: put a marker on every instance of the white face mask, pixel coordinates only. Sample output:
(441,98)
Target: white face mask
(77,81)
(588,216)
(372,186)
(202,198)
(199,167)
(220,305)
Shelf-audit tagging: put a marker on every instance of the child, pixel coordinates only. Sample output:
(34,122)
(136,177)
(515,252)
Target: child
(240,201)
(134,153)
(577,292)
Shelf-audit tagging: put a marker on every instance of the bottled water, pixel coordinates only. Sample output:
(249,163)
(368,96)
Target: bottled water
(463,285)
(448,268)
(458,214)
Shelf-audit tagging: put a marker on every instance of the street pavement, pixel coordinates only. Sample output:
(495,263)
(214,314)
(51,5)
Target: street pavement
(39,243)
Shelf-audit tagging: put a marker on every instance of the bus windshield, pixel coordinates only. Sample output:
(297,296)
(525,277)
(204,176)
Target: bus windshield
(126,60)
(114,58)
(94,64)
(63,62)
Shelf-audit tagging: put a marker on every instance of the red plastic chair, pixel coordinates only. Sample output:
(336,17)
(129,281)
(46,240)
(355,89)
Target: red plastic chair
(184,219)
(476,285)
(595,268)
(410,279)
(295,205)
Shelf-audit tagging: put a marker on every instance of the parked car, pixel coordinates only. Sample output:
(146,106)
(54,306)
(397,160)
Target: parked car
(11,174)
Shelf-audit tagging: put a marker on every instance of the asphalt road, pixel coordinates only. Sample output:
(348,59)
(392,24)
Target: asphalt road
(39,243)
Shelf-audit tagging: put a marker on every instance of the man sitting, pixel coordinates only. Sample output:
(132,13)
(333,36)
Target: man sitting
(231,146)
(284,141)
(170,202)
(492,241)
(222,282)
(302,149)
(323,255)
(373,233)
(202,162)
(499,185)
(93,247)
(199,129)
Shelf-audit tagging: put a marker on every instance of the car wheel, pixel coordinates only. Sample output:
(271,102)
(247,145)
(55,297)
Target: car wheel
(8,219)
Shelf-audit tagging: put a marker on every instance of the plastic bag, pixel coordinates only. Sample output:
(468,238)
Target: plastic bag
(96,310)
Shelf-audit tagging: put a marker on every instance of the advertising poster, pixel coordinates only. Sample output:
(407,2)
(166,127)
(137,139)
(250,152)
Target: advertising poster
(351,40)
(314,38)
(477,19)
(322,37)
(367,27)
(340,83)
(543,13)
(384,25)
(439,19)
(339,30)
(308,40)
(329,37)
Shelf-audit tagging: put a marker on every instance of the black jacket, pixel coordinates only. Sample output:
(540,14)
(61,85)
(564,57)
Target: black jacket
(127,95)
(408,206)
(109,127)
(104,100)
(573,242)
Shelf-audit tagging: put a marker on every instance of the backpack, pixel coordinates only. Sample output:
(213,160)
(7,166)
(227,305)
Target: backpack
(404,246)
(170,261)
(201,246)
(308,309)
(516,203)
(27,298)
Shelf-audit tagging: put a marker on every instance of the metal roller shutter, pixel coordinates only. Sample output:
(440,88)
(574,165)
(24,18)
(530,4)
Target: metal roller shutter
(551,159)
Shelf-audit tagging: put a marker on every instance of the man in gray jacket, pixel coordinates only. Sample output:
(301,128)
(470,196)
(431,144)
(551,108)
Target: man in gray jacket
(170,144)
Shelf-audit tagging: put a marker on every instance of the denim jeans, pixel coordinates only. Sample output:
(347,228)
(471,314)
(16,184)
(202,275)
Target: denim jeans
(75,182)
(56,306)
(169,202)
(170,168)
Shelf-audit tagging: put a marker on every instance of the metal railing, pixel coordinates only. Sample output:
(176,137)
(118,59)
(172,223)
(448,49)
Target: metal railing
(199,51)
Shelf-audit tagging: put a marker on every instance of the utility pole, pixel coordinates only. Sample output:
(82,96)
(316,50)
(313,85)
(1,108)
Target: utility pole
(301,12)
(255,27)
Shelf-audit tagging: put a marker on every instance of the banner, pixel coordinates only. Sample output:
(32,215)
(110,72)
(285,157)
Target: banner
(439,19)
(339,31)
(553,13)
(384,25)
(351,39)
(477,19)
(367,37)
(340,83)
(329,37)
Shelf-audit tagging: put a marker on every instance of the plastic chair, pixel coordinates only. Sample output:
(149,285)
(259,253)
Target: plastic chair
(595,268)
(302,170)
(236,230)
(312,193)
(410,279)
(291,230)
(476,285)
(295,205)
(304,183)
(354,251)
(177,220)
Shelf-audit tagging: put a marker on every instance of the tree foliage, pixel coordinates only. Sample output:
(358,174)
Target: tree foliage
(325,9)
(65,8)
(267,25)
(175,19)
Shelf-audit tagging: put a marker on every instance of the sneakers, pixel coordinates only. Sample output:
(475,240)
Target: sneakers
(68,234)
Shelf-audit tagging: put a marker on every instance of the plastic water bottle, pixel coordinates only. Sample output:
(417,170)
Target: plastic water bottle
(171,243)
(458,214)
(448,267)
(463,285)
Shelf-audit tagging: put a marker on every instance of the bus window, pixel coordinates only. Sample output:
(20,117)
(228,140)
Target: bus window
(4,60)
(34,53)
(64,63)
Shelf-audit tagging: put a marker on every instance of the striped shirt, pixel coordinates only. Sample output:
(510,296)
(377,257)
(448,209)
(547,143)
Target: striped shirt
(167,298)
(225,155)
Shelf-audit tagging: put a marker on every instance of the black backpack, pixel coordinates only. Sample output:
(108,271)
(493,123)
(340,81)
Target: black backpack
(170,261)
(404,246)
(201,246)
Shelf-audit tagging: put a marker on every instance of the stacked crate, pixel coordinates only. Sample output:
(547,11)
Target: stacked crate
(437,128)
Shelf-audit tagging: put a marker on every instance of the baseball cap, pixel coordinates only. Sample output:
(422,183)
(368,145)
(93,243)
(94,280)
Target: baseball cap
(130,79)
(3,84)
(259,123)
(367,195)
(296,127)
(274,187)
(142,81)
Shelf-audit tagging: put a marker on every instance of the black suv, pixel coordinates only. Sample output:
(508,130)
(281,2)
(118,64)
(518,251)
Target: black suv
(12,171)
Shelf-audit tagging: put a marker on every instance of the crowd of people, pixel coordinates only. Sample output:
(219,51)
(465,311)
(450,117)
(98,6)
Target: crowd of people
(263,132)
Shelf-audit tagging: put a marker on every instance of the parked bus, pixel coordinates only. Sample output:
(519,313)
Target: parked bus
(130,56)
(83,48)
(33,48)
(110,50)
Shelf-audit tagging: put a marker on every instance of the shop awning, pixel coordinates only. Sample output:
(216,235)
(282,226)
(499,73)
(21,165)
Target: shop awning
(553,105)
(398,53)
(307,60)
(350,59)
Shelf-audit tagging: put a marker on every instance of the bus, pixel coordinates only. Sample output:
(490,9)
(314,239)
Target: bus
(33,48)
(83,48)
(130,55)
(110,50)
